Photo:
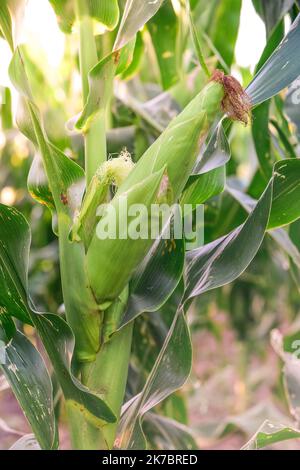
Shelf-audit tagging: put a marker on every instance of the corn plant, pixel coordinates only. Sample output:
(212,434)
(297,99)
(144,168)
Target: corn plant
(110,377)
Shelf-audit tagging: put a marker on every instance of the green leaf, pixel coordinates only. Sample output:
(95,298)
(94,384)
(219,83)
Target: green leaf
(279,235)
(38,185)
(216,153)
(135,16)
(6,24)
(291,105)
(14,253)
(100,87)
(272,43)
(137,58)
(283,137)
(59,342)
(196,41)
(156,278)
(150,332)
(283,239)
(262,138)
(156,112)
(269,433)
(169,373)
(62,173)
(65,179)
(56,335)
(272,12)
(249,420)
(163,30)
(6,109)
(223,260)
(27,442)
(28,377)
(166,433)
(285,208)
(204,186)
(64,9)
(280,70)
(291,371)
(104,11)
(227,17)
(217,263)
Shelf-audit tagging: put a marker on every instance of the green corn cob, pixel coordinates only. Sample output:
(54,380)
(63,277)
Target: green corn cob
(179,145)
(105,254)
(176,151)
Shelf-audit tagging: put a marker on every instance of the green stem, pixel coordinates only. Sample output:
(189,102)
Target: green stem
(107,376)
(95,137)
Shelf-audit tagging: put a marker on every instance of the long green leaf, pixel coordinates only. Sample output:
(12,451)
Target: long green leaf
(269,433)
(169,373)
(291,105)
(65,179)
(215,154)
(104,11)
(223,260)
(204,186)
(285,208)
(227,17)
(56,335)
(163,29)
(168,433)
(262,138)
(28,377)
(136,14)
(101,83)
(286,191)
(27,442)
(272,12)
(14,253)
(280,70)
(196,41)
(6,24)
(100,86)
(279,235)
(156,278)
(61,171)
(291,369)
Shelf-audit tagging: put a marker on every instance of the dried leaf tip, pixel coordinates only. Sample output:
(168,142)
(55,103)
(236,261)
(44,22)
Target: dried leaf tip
(236,103)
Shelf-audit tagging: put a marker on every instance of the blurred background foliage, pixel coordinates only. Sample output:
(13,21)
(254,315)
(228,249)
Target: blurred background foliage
(236,382)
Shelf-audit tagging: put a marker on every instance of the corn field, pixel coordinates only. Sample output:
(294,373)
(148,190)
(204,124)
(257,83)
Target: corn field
(149,226)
